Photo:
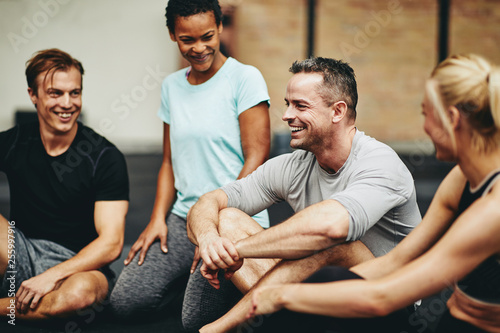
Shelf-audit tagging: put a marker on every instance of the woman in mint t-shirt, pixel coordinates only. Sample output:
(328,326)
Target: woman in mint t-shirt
(216,130)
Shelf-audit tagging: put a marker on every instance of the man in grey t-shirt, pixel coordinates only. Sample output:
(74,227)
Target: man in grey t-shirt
(353,197)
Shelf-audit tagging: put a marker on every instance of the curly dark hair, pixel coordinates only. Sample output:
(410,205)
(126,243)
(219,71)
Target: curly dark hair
(185,8)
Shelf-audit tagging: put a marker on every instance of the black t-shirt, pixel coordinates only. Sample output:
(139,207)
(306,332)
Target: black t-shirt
(53,197)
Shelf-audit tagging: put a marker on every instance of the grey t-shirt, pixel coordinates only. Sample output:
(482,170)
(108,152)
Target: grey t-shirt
(373,185)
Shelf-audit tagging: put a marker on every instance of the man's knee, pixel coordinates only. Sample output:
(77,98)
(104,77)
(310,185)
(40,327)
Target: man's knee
(84,290)
(235,224)
(348,254)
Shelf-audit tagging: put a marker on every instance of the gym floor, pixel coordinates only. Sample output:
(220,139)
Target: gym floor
(143,170)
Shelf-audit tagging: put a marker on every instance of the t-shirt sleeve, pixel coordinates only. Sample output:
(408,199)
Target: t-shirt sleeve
(259,190)
(111,177)
(382,183)
(164,111)
(252,89)
(7,140)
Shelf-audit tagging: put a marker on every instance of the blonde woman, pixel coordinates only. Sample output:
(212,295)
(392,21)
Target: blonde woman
(458,242)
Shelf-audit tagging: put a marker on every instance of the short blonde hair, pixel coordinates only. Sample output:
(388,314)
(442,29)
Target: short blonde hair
(472,85)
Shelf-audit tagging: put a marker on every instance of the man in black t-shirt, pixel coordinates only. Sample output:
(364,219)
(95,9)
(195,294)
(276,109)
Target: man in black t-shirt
(69,197)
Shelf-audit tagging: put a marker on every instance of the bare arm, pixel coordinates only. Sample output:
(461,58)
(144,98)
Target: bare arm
(202,229)
(416,243)
(437,220)
(203,217)
(255,137)
(321,225)
(457,253)
(109,219)
(165,195)
(317,227)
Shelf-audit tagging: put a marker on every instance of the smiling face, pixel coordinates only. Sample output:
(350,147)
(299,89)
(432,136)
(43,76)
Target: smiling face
(307,114)
(197,37)
(58,100)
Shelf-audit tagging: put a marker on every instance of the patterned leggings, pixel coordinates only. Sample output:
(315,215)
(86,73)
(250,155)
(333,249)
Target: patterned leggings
(148,289)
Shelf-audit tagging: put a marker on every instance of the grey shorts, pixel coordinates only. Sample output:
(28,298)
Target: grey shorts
(31,257)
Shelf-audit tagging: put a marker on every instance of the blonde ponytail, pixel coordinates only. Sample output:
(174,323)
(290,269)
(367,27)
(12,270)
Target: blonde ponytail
(471,84)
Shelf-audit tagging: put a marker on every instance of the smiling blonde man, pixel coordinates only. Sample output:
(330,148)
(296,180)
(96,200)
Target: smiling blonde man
(69,198)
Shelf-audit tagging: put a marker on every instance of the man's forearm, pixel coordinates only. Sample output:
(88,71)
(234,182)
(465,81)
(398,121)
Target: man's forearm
(203,217)
(95,255)
(109,219)
(286,271)
(291,247)
(315,228)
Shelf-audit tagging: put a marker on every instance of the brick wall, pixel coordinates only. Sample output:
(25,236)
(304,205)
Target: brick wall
(270,36)
(475,28)
(392,46)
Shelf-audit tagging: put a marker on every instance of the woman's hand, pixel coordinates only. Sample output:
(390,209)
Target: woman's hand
(156,229)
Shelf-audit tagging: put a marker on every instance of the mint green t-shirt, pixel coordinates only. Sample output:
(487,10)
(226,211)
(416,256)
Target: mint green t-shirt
(204,129)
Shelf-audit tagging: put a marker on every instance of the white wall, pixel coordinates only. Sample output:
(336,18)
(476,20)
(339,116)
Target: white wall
(125,50)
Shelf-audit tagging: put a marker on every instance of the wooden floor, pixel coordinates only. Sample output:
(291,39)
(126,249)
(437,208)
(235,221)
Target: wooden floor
(143,171)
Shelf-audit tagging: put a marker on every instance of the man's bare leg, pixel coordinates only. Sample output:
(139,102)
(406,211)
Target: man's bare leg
(77,292)
(236,225)
(290,271)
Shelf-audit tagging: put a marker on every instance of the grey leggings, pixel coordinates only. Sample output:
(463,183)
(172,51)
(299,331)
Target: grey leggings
(149,288)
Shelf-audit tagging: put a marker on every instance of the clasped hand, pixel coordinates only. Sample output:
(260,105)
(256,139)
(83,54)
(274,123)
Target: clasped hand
(217,253)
